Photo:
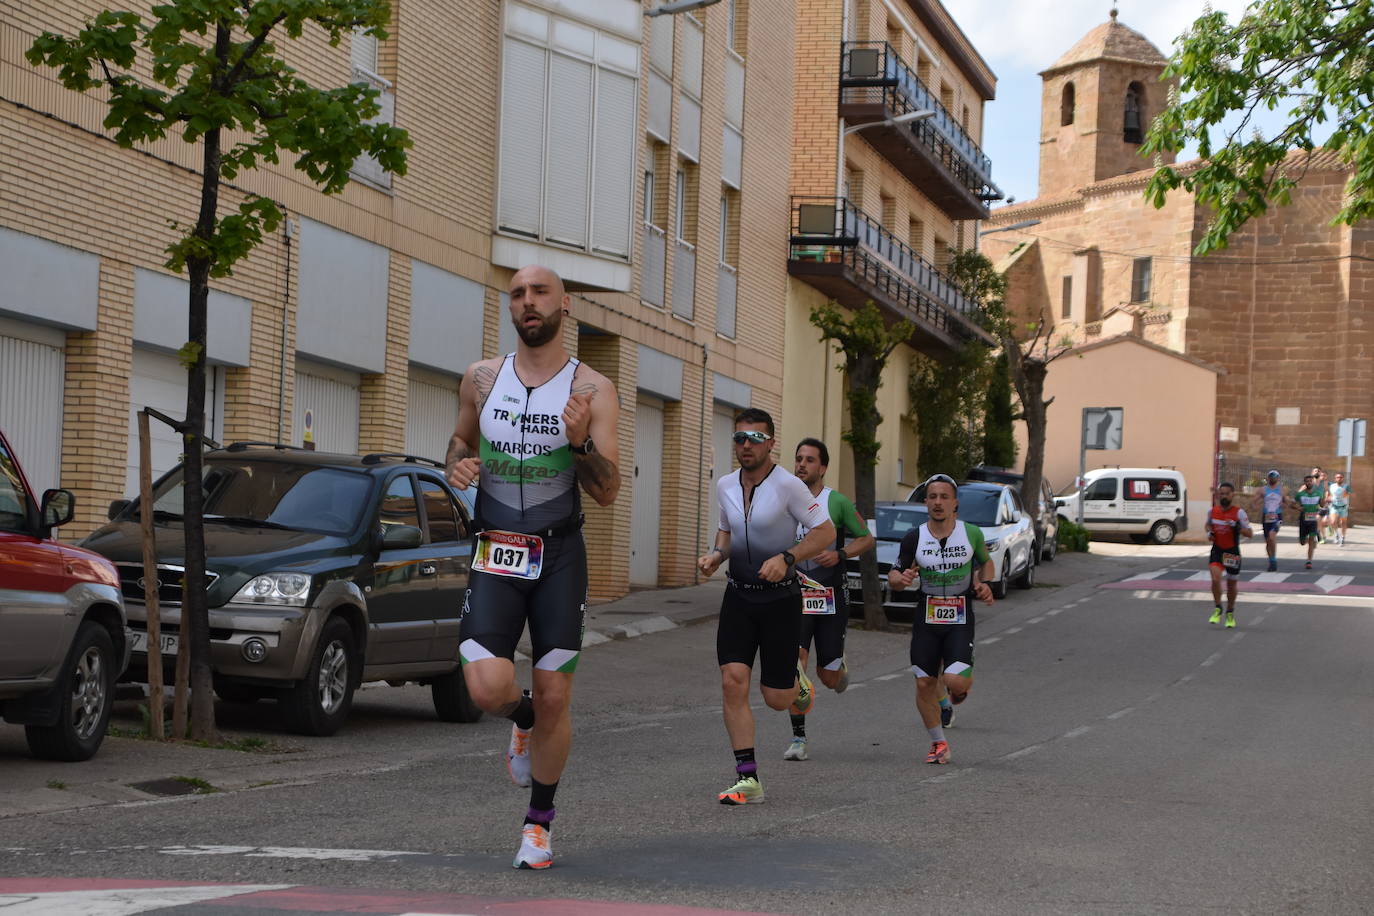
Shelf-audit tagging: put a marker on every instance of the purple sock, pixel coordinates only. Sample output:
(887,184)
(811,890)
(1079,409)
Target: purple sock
(542,818)
(749,768)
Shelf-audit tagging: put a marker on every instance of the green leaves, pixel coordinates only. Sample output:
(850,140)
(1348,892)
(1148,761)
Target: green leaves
(214,70)
(1311,59)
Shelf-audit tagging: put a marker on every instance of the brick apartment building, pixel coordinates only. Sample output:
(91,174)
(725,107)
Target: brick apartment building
(644,158)
(1284,312)
(878,203)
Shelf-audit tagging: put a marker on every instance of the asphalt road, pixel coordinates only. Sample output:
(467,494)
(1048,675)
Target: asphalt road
(1118,755)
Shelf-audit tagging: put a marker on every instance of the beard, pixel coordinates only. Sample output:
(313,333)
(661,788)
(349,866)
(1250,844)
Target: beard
(539,334)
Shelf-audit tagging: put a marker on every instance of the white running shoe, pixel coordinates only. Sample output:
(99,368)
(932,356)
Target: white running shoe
(796,750)
(535,850)
(518,756)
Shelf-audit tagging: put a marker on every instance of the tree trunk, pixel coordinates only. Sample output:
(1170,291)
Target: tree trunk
(195,615)
(864,373)
(1028,375)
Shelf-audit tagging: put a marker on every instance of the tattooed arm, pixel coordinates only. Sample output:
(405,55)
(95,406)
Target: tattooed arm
(461,460)
(593,412)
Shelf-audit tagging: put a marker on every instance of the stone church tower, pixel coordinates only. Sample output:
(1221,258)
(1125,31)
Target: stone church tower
(1097,103)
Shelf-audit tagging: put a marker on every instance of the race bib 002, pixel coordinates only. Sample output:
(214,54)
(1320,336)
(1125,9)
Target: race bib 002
(507,553)
(816,598)
(946,610)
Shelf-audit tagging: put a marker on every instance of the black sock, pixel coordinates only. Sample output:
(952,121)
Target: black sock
(798,726)
(541,803)
(523,713)
(744,762)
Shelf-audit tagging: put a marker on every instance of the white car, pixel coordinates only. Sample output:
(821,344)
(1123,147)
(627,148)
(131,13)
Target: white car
(993,507)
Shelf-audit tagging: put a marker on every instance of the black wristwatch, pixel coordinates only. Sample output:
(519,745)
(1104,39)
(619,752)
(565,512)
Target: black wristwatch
(586,448)
(788,558)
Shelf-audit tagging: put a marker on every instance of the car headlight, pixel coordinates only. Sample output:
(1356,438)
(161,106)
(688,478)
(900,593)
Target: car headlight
(289,589)
(993,544)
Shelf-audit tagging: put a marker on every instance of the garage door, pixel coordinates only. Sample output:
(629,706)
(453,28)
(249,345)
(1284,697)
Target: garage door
(331,398)
(723,456)
(158,380)
(31,379)
(432,415)
(648,493)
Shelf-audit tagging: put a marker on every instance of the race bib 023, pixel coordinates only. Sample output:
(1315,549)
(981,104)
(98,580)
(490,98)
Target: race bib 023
(946,610)
(508,553)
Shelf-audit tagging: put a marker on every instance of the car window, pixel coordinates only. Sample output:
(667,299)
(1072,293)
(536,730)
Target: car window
(979,506)
(13,498)
(892,522)
(306,497)
(1151,488)
(440,512)
(1015,499)
(398,503)
(1101,488)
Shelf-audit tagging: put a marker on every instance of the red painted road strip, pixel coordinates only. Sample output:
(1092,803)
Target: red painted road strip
(1180,585)
(367,900)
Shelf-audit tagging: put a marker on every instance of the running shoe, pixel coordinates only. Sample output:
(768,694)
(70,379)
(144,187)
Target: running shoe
(535,851)
(1230,620)
(796,750)
(518,756)
(843,683)
(1308,566)
(946,716)
(1273,565)
(806,695)
(939,752)
(747,790)
(1216,616)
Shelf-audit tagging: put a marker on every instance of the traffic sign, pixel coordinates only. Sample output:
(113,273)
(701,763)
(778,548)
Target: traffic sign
(1102,427)
(1350,436)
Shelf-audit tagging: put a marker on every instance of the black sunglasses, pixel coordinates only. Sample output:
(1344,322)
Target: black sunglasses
(742,436)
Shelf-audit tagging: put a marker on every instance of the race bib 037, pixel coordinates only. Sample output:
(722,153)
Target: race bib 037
(508,553)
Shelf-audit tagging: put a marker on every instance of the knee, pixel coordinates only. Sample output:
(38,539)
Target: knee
(925,686)
(490,696)
(829,678)
(551,701)
(778,699)
(734,684)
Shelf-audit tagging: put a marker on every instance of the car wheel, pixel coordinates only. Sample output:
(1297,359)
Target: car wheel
(232,692)
(87,690)
(999,588)
(1051,548)
(319,704)
(452,701)
(1162,533)
(1027,577)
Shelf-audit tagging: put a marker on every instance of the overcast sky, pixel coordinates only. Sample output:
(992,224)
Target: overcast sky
(1020,39)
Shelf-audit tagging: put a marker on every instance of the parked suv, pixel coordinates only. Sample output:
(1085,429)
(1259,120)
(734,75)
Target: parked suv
(1047,516)
(63,635)
(323,571)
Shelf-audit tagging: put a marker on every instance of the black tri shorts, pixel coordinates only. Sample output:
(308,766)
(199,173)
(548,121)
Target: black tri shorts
(1218,558)
(1306,529)
(827,631)
(764,627)
(935,647)
(496,609)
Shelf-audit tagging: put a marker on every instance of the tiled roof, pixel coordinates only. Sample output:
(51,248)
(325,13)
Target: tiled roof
(1113,40)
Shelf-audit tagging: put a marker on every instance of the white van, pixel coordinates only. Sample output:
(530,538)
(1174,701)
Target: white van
(1149,504)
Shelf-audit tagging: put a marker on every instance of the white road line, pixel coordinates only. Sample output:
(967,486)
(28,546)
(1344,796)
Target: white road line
(989,640)
(1331,583)
(122,902)
(1185,679)
(1122,712)
(288,852)
(1078,732)
(1023,752)
(1203,576)
(888,677)
(1056,611)
(1152,574)
(1270,577)
(1035,619)
(1013,630)
(1210,660)
(946,777)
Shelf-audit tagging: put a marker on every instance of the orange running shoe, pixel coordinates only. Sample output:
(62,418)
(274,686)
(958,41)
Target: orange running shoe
(939,752)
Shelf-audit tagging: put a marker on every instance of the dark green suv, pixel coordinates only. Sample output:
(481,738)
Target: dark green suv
(324,571)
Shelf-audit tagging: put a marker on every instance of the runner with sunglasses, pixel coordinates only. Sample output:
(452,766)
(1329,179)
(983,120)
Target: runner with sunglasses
(761,506)
(950,561)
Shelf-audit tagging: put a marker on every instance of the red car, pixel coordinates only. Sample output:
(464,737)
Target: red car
(64,638)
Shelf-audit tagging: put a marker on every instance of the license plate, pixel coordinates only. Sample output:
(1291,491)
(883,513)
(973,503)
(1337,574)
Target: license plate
(854,581)
(167,641)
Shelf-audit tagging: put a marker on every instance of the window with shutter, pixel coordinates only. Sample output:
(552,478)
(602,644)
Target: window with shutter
(521,180)
(569,150)
(613,163)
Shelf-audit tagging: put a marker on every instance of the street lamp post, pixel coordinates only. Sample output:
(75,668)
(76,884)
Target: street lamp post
(905,118)
(1023,224)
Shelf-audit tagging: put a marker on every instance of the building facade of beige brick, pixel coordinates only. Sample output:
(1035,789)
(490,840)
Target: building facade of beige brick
(1286,311)
(878,204)
(644,158)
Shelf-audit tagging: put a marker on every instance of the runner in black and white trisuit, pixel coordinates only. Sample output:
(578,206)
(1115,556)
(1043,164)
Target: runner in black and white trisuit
(825,613)
(761,506)
(534,425)
(950,560)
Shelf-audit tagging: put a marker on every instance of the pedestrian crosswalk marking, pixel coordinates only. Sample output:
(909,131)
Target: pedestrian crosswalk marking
(1331,583)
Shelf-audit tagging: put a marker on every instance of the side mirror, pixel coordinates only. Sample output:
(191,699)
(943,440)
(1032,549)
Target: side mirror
(401,537)
(57,508)
(117,508)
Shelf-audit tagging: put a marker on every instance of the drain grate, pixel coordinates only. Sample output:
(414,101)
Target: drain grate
(173,786)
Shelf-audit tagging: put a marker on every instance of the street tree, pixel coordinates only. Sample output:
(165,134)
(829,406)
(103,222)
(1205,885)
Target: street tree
(999,439)
(210,72)
(1029,346)
(1314,58)
(866,340)
(951,397)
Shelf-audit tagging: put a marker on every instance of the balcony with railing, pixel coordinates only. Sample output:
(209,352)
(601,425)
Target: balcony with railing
(848,255)
(936,153)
